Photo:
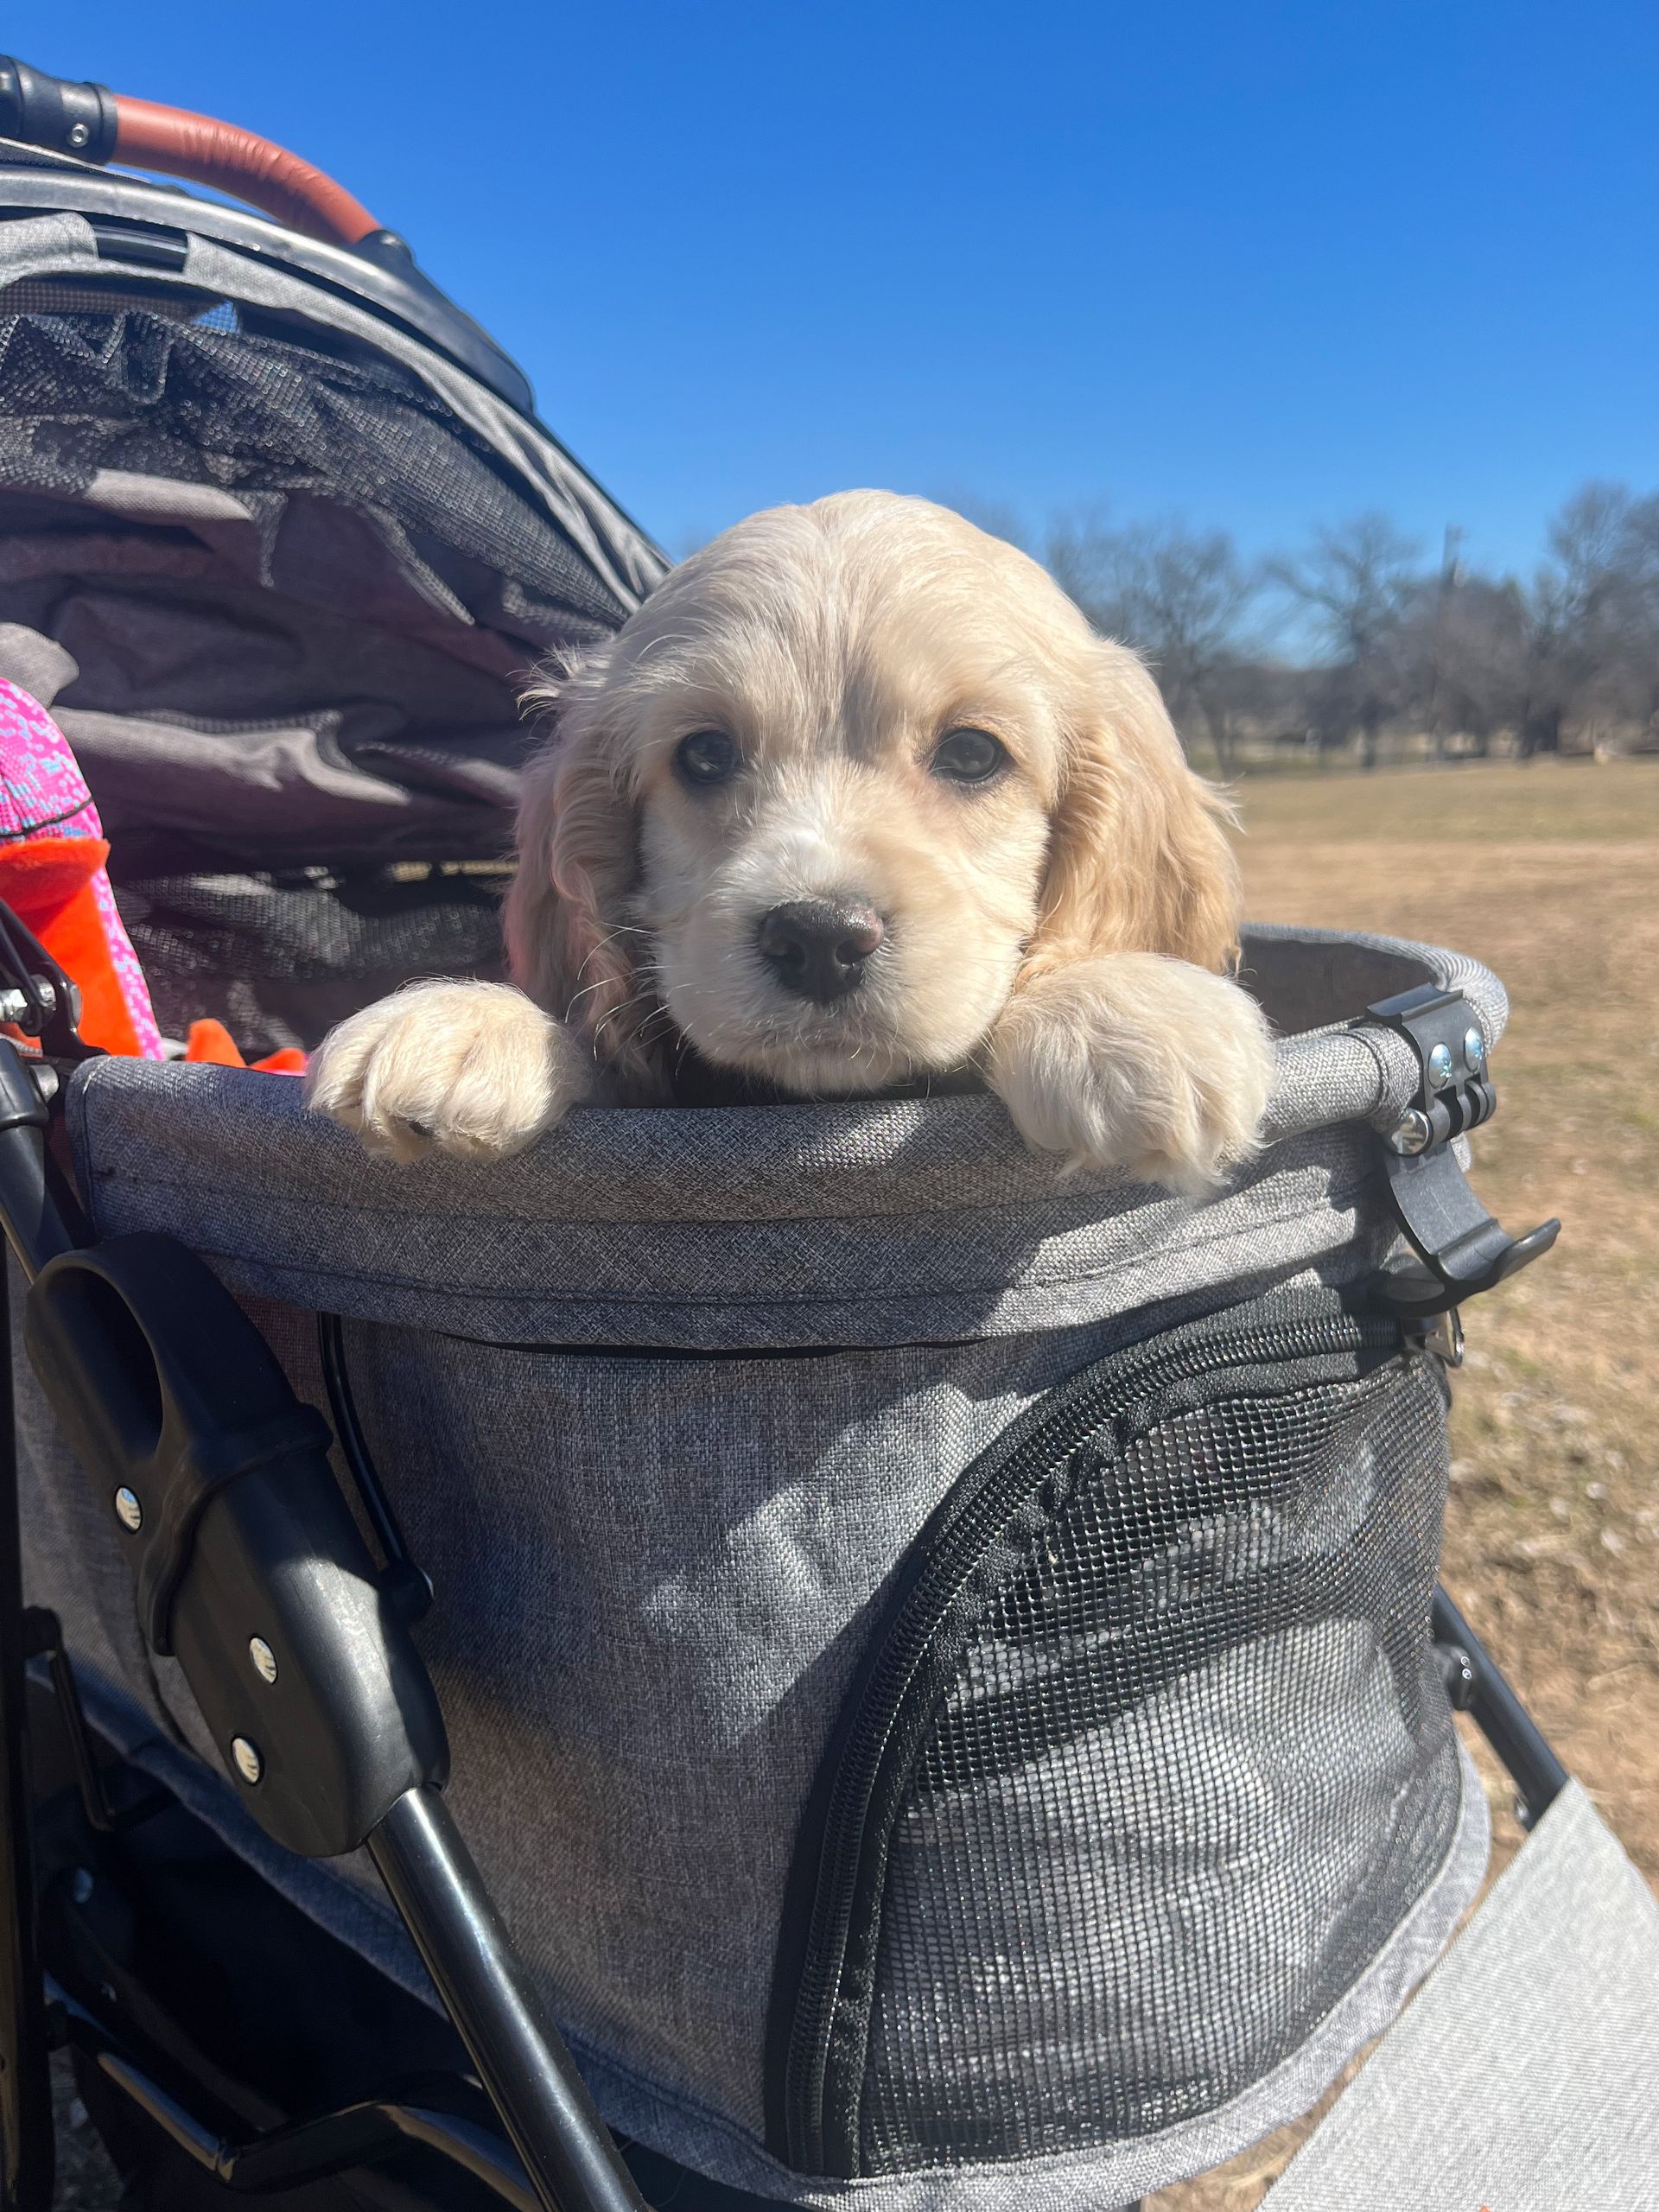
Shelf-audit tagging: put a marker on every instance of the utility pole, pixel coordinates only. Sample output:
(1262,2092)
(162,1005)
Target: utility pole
(1451,577)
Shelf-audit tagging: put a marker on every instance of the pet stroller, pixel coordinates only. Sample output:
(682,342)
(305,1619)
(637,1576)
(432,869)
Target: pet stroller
(939,1661)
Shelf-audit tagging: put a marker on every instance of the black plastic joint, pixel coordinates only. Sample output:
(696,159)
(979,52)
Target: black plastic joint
(194,1477)
(1454,1089)
(1461,1250)
(216,1484)
(55,113)
(1457,1672)
(387,250)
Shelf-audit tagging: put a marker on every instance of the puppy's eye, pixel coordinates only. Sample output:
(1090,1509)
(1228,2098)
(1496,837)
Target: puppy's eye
(968,756)
(708,756)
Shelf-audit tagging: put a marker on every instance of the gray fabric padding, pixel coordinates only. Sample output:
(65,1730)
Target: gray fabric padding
(860,1224)
(1526,2074)
(671,1563)
(565,1245)
(40,665)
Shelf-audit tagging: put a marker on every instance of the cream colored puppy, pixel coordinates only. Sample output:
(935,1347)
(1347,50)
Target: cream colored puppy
(856,798)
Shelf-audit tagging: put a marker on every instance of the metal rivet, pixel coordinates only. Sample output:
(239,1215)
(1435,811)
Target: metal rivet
(1439,1066)
(80,134)
(263,1658)
(128,1511)
(1411,1133)
(249,1765)
(1474,1051)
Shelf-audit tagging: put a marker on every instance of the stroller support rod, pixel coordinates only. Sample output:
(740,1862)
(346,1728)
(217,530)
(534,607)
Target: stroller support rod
(520,2056)
(1538,1775)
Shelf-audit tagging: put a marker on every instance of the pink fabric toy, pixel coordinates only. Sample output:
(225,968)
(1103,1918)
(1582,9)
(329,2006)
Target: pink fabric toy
(53,875)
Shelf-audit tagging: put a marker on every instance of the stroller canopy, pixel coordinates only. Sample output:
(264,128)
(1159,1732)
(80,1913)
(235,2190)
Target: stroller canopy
(279,538)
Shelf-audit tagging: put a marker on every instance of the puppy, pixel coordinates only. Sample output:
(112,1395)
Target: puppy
(856,799)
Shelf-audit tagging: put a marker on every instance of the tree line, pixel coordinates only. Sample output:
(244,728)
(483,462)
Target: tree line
(1399,650)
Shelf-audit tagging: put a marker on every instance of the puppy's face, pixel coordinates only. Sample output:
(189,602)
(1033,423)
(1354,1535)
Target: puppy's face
(844,824)
(841,743)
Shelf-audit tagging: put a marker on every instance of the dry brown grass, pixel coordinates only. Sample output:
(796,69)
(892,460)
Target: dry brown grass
(1550,873)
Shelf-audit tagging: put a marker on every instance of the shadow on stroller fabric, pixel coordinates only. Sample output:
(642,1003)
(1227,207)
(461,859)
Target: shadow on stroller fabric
(937,1661)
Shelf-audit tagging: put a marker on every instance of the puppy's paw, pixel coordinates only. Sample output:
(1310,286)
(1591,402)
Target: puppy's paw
(473,1069)
(1139,1062)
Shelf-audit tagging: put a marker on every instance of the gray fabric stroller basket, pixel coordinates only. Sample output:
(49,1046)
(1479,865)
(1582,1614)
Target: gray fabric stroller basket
(935,1650)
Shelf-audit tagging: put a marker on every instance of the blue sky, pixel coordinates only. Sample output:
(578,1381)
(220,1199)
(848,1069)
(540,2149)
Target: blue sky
(1253,266)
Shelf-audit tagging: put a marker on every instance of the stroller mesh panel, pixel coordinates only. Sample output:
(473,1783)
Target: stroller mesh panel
(1147,1762)
(138,393)
(279,961)
(64,295)
(1149,1840)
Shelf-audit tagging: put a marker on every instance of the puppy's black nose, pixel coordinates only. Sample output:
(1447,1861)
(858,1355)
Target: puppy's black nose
(817,947)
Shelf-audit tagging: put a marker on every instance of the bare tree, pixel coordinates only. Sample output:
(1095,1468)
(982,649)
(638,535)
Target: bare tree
(1478,661)
(1593,620)
(1359,581)
(1179,597)
(1471,658)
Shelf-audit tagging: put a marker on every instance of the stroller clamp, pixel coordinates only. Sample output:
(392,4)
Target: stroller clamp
(1462,1250)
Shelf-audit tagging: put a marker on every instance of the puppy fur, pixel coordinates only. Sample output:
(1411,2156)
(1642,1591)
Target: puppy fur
(1064,928)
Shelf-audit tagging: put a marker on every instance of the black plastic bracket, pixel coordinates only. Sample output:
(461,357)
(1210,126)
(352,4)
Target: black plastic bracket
(249,1566)
(35,995)
(1461,1249)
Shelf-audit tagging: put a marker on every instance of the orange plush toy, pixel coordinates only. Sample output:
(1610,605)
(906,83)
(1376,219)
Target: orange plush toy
(212,1042)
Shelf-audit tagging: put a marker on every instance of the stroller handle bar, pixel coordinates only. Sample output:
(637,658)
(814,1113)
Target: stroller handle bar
(89,123)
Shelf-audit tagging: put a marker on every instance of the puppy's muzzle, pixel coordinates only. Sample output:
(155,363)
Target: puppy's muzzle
(816,948)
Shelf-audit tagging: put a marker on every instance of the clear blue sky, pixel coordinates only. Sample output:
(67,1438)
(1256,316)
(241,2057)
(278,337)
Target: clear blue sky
(1254,265)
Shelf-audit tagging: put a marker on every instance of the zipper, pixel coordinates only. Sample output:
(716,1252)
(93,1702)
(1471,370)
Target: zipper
(846,1873)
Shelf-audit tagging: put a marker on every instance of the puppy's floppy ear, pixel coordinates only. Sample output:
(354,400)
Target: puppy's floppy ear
(1138,859)
(569,942)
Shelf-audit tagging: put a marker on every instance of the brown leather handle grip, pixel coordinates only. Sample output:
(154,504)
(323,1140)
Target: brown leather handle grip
(240,163)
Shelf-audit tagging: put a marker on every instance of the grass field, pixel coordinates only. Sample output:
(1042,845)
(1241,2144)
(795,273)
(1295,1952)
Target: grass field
(1550,873)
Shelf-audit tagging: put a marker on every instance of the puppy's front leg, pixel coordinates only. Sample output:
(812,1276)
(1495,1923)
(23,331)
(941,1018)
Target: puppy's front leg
(475,1069)
(1132,1060)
